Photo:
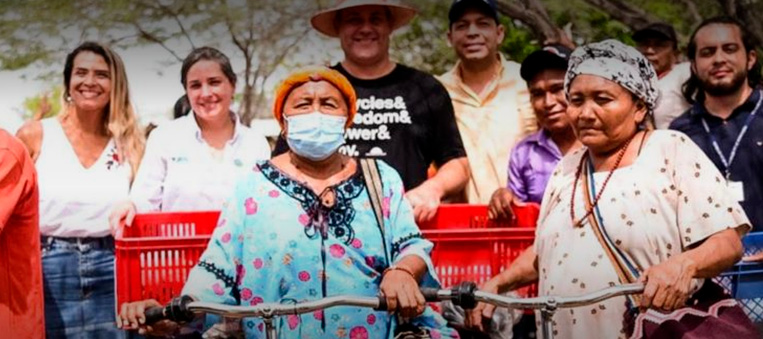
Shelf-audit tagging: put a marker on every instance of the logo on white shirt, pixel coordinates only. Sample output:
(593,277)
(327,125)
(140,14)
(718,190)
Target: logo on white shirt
(376,152)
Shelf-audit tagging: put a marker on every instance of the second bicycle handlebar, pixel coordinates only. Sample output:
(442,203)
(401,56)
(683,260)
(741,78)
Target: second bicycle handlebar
(466,295)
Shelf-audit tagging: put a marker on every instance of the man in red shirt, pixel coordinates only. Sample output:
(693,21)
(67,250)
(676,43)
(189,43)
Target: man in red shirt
(21,298)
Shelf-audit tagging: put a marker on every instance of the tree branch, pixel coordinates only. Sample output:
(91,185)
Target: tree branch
(286,50)
(116,40)
(152,38)
(691,8)
(749,17)
(537,7)
(631,16)
(236,41)
(176,17)
(729,6)
(533,14)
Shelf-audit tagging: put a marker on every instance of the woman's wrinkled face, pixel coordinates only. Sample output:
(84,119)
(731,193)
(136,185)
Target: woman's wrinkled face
(603,113)
(90,84)
(209,91)
(315,96)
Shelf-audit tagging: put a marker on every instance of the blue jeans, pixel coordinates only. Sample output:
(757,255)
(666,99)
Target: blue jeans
(78,280)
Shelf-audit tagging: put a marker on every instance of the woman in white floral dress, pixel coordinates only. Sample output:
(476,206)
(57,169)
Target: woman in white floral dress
(658,199)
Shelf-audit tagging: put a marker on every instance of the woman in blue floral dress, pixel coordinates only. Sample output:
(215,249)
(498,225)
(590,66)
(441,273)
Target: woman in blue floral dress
(302,227)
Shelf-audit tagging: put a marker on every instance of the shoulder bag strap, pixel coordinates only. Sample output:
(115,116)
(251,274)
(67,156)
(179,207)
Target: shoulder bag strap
(375,194)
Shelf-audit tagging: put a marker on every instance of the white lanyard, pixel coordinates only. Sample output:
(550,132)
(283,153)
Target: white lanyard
(727,162)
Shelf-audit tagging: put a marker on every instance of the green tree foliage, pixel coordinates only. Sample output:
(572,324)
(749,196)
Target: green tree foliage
(262,32)
(518,41)
(34,31)
(43,105)
(270,35)
(424,43)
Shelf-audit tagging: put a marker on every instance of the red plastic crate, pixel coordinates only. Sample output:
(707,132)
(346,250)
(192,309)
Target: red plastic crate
(461,216)
(478,254)
(155,254)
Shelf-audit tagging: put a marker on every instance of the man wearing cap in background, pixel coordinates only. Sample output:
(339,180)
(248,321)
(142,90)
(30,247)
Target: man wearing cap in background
(490,99)
(533,159)
(659,44)
(405,116)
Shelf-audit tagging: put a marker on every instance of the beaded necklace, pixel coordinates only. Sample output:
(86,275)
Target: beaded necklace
(589,209)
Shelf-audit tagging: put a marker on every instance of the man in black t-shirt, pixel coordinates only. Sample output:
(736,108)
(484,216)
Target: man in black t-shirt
(405,117)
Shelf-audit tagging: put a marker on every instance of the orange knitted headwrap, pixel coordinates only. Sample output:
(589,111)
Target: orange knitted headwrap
(305,75)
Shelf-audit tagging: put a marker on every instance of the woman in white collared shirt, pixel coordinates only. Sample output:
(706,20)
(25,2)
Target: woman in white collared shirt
(190,163)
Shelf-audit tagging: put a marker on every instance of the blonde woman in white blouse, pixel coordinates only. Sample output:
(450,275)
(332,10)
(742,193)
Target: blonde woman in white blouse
(190,163)
(85,159)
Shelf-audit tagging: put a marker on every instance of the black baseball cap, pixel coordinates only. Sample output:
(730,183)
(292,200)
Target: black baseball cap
(551,56)
(458,8)
(658,30)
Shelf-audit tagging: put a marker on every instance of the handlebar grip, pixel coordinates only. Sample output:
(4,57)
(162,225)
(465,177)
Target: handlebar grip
(382,303)
(177,309)
(463,295)
(430,294)
(154,314)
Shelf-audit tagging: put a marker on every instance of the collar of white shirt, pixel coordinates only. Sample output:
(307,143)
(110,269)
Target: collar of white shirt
(190,121)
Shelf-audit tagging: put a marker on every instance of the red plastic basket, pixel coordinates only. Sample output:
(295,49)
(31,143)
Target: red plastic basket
(470,247)
(155,254)
(475,216)
(477,254)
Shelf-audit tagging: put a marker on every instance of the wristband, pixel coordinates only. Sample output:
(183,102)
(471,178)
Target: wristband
(399,268)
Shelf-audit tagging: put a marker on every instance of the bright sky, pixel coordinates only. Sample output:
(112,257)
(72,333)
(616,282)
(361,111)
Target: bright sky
(154,86)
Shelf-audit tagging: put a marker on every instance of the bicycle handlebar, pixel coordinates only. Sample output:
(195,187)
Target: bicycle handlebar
(561,302)
(154,314)
(182,309)
(465,295)
(271,309)
(461,294)
(462,297)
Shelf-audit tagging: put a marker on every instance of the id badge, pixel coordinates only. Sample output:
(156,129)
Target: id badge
(737,190)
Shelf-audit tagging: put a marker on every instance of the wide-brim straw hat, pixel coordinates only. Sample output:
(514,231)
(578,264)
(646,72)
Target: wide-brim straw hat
(324,21)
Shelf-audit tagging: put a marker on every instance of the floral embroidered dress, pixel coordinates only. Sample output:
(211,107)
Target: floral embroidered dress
(670,199)
(276,242)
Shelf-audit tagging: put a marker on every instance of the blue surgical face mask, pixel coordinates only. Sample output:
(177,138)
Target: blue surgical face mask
(315,136)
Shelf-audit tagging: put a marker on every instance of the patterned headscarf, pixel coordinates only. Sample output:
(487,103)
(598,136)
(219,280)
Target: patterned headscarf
(617,62)
(315,73)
